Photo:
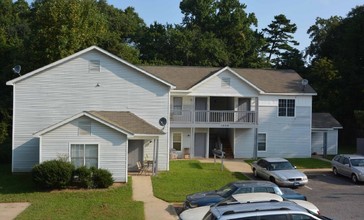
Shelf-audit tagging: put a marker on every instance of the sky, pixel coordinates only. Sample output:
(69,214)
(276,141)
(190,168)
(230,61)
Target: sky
(301,12)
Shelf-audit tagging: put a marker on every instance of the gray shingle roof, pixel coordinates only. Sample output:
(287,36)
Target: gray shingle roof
(127,121)
(324,120)
(268,80)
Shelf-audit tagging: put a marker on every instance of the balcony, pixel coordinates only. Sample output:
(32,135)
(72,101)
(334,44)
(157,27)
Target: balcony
(213,118)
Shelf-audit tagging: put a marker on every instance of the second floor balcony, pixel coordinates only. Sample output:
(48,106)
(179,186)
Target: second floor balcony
(213,118)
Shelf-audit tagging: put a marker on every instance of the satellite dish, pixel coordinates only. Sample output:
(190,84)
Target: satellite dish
(162,121)
(17,69)
(304,83)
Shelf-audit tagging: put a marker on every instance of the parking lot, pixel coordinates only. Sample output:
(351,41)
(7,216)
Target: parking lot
(336,197)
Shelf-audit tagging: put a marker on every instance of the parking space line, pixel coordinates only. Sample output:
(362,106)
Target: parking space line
(308,187)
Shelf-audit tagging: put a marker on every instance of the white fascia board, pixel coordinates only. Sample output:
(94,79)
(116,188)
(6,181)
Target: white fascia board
(290,94)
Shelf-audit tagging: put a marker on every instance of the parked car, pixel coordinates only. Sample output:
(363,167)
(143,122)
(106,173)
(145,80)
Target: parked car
(348,165)
(279,171)
(247,186)
(201,212)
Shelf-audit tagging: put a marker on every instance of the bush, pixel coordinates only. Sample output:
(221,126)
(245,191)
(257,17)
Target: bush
(102,178)
(82,177)
(53,174)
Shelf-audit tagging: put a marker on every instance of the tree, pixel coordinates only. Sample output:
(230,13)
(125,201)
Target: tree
(342,42)
(14,30)
(63,27)
(279,39)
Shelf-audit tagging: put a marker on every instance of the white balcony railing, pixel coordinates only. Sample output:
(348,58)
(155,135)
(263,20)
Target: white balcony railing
(212,116)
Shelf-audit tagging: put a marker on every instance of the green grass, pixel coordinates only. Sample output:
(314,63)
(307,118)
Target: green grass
(113,203)
(190,176)
(305,163)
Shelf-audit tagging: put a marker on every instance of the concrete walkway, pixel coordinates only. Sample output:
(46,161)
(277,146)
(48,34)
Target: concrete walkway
(154,208)
(9,211)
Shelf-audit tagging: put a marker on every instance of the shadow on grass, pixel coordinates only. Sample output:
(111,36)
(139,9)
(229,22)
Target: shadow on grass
(15,183)
(239,175)
(196,165)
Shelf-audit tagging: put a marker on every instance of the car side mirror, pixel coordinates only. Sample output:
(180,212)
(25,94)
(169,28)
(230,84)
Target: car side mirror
(347,165)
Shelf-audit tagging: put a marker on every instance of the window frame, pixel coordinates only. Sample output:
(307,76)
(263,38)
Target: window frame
(173,141)
(284,110)
(265,148)
(177,109)
(84,152)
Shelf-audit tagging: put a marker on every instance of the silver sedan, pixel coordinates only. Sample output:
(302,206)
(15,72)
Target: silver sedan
(279,171)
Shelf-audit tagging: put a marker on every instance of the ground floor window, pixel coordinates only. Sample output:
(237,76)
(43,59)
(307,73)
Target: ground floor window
(262,142)
(177,141)
(84,155)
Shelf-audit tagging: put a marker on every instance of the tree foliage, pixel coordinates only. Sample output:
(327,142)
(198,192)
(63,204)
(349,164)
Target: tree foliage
(279,40)
(337,49)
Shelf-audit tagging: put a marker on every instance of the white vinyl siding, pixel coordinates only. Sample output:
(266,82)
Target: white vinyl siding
(112,146)
(69,88)
(288,136)
(84,128)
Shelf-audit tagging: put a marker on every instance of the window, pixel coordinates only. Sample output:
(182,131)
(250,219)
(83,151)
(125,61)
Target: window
(177,105)
(262,142)
(177,141)
(225,82)
(286,107)
(84,128)
(94,66)
(84,155)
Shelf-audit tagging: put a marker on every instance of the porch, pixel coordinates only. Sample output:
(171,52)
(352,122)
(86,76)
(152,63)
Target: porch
(213,118)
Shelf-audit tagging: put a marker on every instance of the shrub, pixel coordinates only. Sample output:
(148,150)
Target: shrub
(102,178)
(82,177)
(52,174)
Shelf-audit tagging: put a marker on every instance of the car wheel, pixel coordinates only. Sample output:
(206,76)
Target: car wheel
(255,173)
(354,178)
(335,171)
(272,179)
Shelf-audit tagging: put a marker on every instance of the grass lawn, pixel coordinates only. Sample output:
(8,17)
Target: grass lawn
(190,176)
(305,163)
(113,203)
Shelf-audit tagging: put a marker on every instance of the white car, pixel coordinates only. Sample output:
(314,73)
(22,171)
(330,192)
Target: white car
(200,212)
(279,171)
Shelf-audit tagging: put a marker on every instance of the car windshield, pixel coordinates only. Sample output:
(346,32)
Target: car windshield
(226,191)
(357,162)
(281,166)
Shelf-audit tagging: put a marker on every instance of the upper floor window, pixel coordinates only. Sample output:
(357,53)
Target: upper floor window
(177,105)
(286,107)
(94,66)
(225,82)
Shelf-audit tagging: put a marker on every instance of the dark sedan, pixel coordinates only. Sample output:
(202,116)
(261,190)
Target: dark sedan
(213,197)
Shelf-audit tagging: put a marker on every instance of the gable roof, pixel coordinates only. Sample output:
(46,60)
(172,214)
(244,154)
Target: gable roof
(95,48)
(124,122)
(266,80)
(324,121)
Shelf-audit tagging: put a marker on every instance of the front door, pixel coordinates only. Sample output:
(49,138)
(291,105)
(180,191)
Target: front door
(243,108)
(135,154)
(200,145)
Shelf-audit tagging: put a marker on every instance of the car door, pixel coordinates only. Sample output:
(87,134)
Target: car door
(346,169)
(263,169)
